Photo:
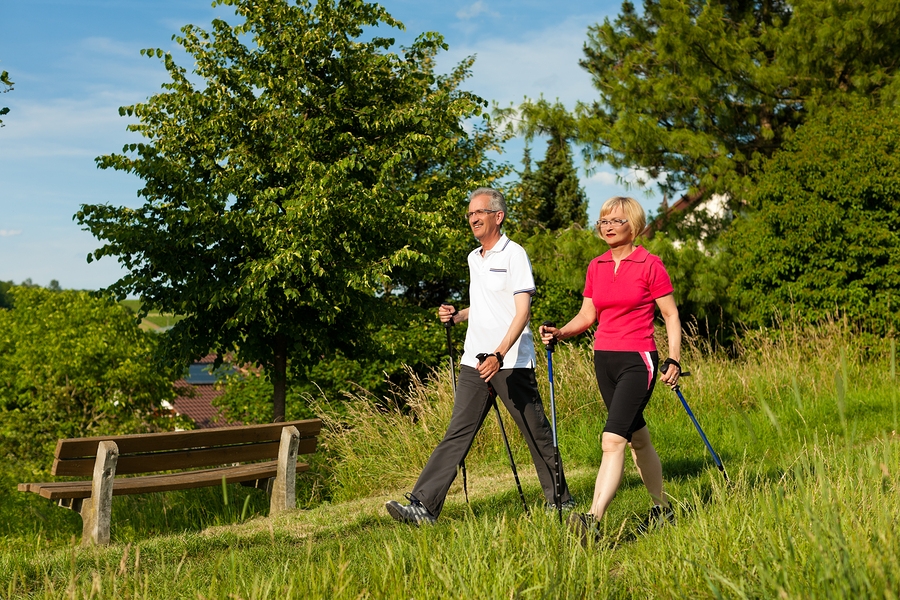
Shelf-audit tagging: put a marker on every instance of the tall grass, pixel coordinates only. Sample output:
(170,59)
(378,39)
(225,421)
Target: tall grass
(805,419)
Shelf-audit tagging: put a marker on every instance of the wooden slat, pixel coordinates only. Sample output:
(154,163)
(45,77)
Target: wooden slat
(173,440)
(180,459)
(160,483)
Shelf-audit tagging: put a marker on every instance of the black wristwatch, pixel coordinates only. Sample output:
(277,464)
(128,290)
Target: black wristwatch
(484,356)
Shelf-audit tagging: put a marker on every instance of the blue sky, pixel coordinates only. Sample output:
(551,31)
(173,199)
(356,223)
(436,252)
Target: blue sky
(74,62)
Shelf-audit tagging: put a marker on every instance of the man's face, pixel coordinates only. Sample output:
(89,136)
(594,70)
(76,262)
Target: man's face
(485,225)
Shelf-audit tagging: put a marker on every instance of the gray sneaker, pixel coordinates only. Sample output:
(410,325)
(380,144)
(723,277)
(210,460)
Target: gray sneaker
(586,527)
(658,517)
(414,512)
(567,506)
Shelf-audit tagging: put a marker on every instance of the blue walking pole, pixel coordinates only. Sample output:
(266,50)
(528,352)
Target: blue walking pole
(677,389)
(557,493)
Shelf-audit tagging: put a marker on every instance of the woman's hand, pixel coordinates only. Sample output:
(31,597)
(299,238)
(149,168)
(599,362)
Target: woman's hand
(670,375)
(548,334)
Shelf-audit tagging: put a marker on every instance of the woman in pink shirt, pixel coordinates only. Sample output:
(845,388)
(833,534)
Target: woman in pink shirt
(622,289)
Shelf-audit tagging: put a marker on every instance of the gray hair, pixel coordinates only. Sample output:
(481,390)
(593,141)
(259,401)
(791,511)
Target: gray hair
(497,200)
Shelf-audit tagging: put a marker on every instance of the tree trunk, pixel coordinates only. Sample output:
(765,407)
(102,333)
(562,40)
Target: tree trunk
(279,379)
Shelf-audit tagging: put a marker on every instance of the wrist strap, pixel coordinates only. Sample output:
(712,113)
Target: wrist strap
(671,361)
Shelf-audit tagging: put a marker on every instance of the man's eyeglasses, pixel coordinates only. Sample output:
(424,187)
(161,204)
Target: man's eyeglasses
(613,222)
(480,212)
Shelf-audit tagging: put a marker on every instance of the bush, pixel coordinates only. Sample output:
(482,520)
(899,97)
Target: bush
(823,232)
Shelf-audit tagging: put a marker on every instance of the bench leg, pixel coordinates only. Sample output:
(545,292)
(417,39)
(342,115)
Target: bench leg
(284,490)
(96,511)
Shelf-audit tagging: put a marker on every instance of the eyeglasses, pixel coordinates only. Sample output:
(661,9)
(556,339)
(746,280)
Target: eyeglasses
(614,222)
(480,212)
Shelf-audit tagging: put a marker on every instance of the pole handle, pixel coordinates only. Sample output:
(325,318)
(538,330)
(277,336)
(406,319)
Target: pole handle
(450,323)
(552,345)
(665,367)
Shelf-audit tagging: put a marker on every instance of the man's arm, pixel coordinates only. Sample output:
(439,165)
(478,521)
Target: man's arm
(445,313)
(523,312)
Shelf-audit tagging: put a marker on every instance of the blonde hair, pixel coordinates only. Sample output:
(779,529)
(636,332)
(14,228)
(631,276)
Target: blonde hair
(634,212)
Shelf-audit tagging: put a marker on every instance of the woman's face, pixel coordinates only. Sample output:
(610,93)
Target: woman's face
(612,231)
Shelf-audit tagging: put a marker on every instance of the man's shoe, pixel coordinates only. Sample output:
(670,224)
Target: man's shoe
(567,506)
(585,526)
(659,517)
(414,512)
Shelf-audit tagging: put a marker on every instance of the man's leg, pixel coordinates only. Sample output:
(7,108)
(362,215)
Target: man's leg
(470,407)
(518,390)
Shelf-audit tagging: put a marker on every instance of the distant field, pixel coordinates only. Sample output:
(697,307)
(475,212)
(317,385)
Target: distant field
(154,319)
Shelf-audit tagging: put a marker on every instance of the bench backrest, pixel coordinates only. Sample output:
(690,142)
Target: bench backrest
(169,451)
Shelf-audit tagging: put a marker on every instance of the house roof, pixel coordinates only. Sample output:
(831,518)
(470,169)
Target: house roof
(195,400)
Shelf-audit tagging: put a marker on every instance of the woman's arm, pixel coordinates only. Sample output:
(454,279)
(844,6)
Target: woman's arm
(669,312)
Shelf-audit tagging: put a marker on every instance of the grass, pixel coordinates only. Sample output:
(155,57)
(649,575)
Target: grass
(805,420)
(154,318)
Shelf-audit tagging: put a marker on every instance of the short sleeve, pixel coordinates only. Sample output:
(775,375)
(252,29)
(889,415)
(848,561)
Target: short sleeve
(521,277)
(658,282)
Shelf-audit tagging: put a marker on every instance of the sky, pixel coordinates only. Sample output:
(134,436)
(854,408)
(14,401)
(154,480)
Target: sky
(75,62)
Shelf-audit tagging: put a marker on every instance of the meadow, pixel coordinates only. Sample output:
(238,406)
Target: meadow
(805,419)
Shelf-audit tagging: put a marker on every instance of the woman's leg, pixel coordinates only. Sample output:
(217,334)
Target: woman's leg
(610,474)
(648,465)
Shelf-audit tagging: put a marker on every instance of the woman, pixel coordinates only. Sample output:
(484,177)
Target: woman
(621,290)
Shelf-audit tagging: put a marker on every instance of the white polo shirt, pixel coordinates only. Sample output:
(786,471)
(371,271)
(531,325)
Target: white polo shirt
(494,280)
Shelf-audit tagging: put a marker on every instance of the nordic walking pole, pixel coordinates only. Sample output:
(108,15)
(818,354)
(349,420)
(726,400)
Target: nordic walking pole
(512,463)
(677,389)
(557,492)
(447,326)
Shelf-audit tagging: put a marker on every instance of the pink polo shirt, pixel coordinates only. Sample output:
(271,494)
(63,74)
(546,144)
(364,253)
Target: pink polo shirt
(625,300)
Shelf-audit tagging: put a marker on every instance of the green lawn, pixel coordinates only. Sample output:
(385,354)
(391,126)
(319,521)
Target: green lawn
(805,423)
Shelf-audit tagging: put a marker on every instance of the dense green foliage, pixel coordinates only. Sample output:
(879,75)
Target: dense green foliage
(822,237)
(697,90)
(72,365)
(288,179)
(6,300)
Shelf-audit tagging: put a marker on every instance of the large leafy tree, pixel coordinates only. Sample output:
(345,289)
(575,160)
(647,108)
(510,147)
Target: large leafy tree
(823,234)
(697,90)
(278,195)
(74,365)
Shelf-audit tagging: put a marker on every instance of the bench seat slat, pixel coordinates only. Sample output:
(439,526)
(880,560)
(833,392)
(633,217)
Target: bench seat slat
(57,490)
(174,440)
(183,459)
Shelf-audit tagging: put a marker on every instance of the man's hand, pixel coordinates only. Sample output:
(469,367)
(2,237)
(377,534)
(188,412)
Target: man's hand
(446,312)
(488,365)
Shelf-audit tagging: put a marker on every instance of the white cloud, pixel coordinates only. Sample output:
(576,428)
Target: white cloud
(473,10)
(10,232)
(543,62)
(604,178)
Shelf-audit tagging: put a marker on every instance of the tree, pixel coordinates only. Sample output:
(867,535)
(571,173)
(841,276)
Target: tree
(8,87)
(697,92)
(278,202)
(551,196)
(822,237)
(73,365)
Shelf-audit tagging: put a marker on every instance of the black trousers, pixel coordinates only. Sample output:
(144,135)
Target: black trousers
(517,388)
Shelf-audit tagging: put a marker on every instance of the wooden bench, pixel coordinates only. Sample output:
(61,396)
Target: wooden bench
(226,448)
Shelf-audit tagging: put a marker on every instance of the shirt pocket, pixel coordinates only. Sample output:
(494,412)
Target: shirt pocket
(496,280)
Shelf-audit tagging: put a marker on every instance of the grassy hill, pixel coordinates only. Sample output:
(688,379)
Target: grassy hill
(804,419)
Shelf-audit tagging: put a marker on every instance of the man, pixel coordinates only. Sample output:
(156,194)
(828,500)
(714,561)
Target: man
(500,289)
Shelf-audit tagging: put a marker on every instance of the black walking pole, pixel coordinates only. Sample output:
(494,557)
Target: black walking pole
(557,493)
(447,326)
(677,389)
(512,463)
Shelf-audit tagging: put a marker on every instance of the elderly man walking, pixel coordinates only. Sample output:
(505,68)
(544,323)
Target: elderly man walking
(500,288)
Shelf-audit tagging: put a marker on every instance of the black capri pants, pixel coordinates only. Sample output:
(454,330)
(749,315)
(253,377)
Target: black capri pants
(626,381)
